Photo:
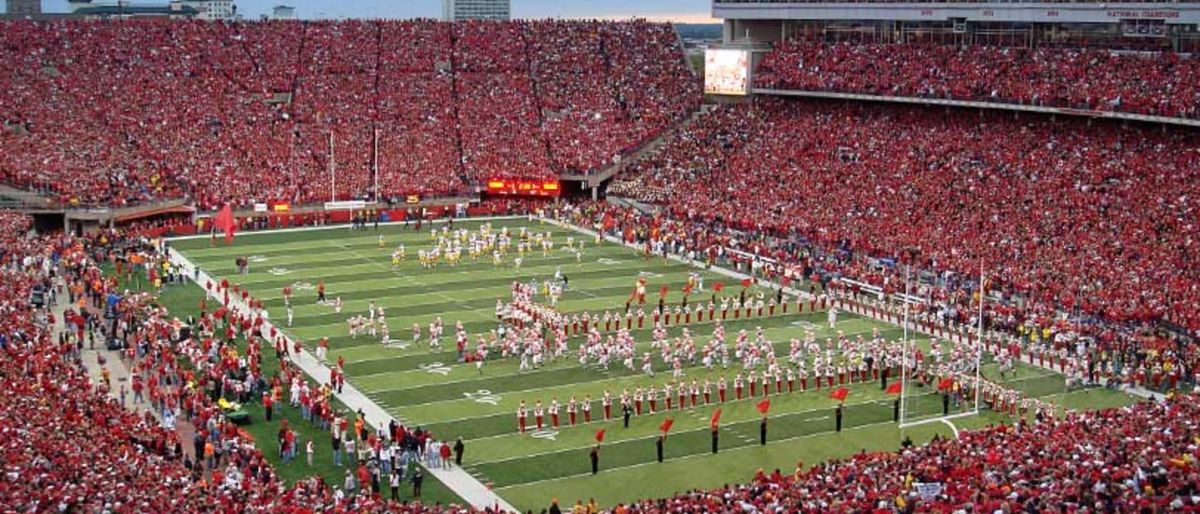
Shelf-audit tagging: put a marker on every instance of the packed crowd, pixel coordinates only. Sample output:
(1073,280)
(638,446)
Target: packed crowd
(1096,219)
(252,112)
(1138,458)
(1162,84)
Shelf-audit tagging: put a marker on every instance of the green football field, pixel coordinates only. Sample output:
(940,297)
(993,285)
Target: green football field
(431,389)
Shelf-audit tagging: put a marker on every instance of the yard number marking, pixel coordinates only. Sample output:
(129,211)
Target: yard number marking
(435,368)
(483,396)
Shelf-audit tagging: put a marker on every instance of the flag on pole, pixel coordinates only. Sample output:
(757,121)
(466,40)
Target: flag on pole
(747,281)
(716,419)
(718,287)
(666,425)
(224,221)
(945,384)
(840,394)
(764,406)
(662,292)
(895,388)
(600,435)
(687,289)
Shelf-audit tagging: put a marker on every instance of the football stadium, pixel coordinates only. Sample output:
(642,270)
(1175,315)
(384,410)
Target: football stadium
(809,257)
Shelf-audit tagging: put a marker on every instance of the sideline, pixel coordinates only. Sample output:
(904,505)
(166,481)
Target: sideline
(471,490)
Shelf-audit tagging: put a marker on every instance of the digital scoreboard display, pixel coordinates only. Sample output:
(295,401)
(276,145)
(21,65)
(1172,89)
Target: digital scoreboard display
(726,72)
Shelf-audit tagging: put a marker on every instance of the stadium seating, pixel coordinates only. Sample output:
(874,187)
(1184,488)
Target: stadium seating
(1154,83)
(244,112)
(1093,219)
(1139,458)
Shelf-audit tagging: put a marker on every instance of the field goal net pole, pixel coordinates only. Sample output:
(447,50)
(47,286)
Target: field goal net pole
(904,422)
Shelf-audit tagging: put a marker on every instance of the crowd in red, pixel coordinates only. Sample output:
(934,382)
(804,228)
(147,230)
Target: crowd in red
(1095,218)
(1162,84)
(1141,458)
(252,112)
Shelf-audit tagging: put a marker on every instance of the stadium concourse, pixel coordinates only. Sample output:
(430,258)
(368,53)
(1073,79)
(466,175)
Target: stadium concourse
(116,106)
(1140,457)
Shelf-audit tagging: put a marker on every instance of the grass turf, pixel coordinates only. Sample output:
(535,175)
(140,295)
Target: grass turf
(428,387)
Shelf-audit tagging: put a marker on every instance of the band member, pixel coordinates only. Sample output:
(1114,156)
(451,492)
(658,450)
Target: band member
(522,416)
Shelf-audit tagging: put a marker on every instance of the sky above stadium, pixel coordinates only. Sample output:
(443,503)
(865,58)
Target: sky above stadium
(684,11)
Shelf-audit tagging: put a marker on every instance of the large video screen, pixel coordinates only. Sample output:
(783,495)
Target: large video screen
(726,72)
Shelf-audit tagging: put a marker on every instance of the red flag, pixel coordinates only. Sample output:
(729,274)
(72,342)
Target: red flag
(687,289)
(224,221)
(716,418)
(840,394)
(718,287)
(786,280)
(747,281)
(666,425)
(764,406)
(600,436)
(662,292)
(945,384)
(895,388)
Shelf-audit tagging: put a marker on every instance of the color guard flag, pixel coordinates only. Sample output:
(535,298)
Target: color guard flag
(840,394)
(600,436)
(716,418)
(662,292)
(718,287)
(894,388)
(666,425)
(747,281)
(687,289)
(764,406)
(946,384)
(224,221)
